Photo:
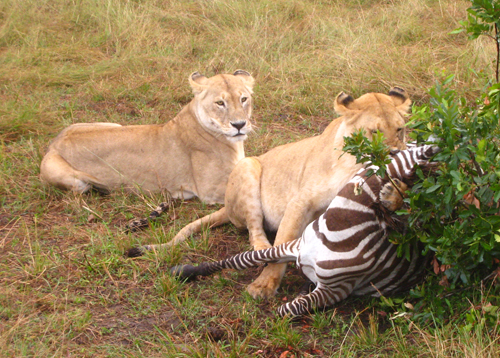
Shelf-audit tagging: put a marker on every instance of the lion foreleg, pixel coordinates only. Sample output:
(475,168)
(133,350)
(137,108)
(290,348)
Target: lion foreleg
(296,218)
(266,285)
(243,201)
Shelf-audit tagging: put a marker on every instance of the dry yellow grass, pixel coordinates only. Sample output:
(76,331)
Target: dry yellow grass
(65,289)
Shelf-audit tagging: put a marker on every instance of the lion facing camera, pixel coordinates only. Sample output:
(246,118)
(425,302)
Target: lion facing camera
(191,155)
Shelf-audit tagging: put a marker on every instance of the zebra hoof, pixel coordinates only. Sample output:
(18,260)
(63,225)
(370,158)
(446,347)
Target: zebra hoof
(135,252)
(184,272)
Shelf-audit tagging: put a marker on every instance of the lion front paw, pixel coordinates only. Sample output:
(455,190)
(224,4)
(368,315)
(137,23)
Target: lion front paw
(266,285)
(392,198)
(262,290)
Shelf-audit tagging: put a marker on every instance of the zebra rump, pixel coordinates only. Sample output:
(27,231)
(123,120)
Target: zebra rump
(346,250)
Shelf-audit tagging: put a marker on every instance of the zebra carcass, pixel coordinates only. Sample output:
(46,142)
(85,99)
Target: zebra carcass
(346,250)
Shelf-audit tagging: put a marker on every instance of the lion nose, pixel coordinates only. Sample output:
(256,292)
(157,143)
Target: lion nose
(238,125)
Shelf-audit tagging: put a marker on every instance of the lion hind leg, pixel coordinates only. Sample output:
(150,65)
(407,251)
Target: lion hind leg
(55,170)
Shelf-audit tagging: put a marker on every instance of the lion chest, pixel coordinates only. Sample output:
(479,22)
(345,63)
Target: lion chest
(305,186)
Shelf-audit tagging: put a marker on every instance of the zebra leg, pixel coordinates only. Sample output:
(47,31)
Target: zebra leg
(189,272)
(239,262)
(137,224)
(307,288)
(209,221)
(322,296)
(283,253)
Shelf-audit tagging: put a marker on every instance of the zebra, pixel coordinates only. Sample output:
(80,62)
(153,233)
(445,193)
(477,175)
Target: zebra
(346,250)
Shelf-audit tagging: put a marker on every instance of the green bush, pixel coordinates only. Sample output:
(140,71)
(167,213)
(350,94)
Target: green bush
(454,212)
(483,19)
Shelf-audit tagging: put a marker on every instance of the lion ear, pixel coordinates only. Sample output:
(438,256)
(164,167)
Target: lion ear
(342,103)
(246,77)
(197,82)
(400,99)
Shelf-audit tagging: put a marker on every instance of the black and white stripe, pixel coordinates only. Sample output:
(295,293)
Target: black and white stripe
(138,224)
(346,250)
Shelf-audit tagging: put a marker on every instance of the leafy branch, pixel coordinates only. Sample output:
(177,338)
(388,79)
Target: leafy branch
(483,18)
(373,151)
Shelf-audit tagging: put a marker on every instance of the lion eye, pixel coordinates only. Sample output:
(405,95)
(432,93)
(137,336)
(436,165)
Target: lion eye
(400,129)
(243,99)
(220,103)
(374,131)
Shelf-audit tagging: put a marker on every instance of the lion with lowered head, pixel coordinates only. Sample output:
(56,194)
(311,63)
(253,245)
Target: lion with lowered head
(285,189)
(191,155)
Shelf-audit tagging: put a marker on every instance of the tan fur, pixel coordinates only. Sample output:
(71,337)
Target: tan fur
(191,155)
(392,196)
(288,187)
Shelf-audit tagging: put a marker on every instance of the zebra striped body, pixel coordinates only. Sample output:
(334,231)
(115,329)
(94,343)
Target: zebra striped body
(346,250)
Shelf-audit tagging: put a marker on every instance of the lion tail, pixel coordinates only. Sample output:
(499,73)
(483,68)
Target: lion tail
(211,220)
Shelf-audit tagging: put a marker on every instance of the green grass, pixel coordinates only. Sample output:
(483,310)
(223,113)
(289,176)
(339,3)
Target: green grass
(67,290)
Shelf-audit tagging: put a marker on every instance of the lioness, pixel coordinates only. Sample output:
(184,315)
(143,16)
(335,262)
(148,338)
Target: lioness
(288,187)
(191,155)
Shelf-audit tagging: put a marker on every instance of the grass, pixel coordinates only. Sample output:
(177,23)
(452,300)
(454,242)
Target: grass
(67,290)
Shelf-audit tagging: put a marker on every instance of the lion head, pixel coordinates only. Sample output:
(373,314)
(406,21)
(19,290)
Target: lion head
(377,111)
(223,103)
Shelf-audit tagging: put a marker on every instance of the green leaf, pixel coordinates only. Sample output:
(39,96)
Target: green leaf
(433,188)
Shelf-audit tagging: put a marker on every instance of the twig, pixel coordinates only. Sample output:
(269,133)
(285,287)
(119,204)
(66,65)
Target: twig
(88,263)
(2,243)
(394,184)
(93,212)
(497,40)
